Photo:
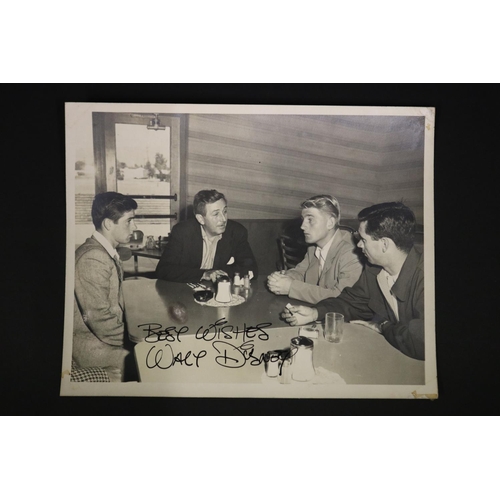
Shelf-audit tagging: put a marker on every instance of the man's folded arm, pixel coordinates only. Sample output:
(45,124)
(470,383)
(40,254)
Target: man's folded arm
(171,271)
(298,273)
(407,338)
(352,302)
(92,286)
(307,292)
(169,267)
(349,273)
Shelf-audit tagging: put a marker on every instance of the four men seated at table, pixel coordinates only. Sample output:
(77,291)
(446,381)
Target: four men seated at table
(101,349)
(389,296)
(208,246)
(331,262)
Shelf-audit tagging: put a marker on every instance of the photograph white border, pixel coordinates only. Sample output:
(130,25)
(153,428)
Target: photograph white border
(426,391)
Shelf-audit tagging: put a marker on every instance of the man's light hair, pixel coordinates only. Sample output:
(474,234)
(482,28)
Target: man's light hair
(324,202)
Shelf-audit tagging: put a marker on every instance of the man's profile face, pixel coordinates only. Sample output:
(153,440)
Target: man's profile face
(215,219)
(122,230)
(371,248)
(316,225)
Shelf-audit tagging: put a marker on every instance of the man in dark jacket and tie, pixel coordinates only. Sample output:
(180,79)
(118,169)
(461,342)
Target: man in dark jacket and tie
(208,246)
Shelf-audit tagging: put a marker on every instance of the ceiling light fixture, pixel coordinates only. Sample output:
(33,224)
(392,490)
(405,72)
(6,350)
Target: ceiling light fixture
(154,124)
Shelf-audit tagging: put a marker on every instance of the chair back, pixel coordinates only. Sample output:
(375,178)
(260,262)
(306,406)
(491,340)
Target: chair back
(291,251)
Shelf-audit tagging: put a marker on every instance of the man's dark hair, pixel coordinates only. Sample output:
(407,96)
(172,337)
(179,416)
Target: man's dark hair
(202,198)
(392,220)
(111,205)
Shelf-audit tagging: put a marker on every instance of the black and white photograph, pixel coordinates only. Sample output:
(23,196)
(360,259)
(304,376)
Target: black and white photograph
(255,251)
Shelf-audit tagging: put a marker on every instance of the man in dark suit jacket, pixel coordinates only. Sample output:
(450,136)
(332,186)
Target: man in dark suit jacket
(208,246)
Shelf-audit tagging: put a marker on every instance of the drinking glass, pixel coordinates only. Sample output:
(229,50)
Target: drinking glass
(334,325)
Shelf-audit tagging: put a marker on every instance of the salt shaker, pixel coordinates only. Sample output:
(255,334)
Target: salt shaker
(223,289)
(302,359)
(150,243)
(246,281)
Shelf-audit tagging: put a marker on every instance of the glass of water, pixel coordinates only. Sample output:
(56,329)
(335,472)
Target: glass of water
(334,326)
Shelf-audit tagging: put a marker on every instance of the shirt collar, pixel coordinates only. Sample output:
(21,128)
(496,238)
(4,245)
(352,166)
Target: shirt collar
(390,279)
(106,244)
(206,238)
(324,251)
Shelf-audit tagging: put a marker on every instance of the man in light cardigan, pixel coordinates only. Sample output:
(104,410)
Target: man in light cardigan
(331,262)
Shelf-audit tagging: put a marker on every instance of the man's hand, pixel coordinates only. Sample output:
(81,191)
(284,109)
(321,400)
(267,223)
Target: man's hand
(299,315)
(279,283)
(369,324)
(213,275)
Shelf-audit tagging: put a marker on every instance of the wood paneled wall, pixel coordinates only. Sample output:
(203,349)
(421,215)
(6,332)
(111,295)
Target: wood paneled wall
(266,165)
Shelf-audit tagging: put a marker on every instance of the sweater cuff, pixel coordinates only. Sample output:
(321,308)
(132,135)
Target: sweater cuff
(322,310)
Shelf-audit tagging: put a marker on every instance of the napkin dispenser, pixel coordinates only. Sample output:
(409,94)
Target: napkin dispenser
(223,289)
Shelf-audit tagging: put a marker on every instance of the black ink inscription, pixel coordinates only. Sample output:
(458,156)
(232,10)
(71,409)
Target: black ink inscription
(220,329)
(231,356)
(163,357)
(156,334)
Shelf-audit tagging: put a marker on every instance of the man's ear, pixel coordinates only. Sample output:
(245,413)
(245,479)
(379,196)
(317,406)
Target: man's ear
(106,224)
(200,219)
(330,224)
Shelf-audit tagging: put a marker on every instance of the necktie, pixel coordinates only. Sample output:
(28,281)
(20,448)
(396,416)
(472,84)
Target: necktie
(318,255)
(118,263)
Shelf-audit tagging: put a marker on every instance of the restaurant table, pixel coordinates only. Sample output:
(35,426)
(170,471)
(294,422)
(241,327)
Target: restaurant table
(183,344)
(154,253)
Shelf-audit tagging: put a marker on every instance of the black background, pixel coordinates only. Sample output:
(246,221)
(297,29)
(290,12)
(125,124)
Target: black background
(467,254)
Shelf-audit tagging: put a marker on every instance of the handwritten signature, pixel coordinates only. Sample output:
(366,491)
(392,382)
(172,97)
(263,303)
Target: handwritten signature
(228,355)
(164,358)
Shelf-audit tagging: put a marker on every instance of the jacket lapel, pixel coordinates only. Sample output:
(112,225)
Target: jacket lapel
(196,249)
(377,302)
(222,251)
(331,255)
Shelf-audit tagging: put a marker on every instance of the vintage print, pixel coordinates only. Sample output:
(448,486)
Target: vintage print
(249,251)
